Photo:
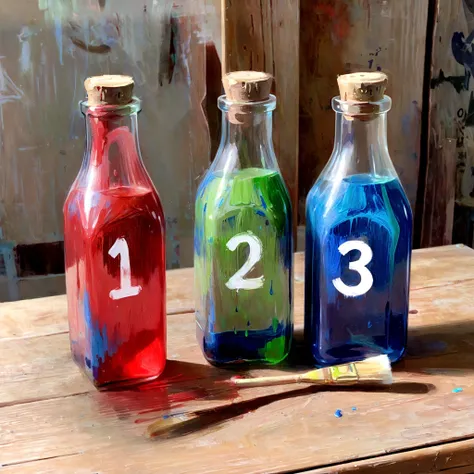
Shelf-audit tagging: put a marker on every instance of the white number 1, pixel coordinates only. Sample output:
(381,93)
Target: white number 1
(359,266)
(126,289)
(237,281)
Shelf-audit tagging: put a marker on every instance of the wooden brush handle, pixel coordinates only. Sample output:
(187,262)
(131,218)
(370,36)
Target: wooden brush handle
(267,381)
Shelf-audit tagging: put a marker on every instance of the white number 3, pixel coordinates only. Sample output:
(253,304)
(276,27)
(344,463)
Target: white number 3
(237,281)
(359,266)
(126,289)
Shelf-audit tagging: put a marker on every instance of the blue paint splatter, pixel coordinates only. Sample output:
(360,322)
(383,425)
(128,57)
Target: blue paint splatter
(231,221)
(88,362)
(338,413)
(73,208)
(354,408)
(369,324)
(205,208)
(264,204)
(210,240)
(260,213)
(221,202)
(457,390)
(462,49)
(100,345)
(271,288)
(58,34)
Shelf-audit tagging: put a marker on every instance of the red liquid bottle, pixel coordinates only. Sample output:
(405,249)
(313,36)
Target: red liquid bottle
(114,240)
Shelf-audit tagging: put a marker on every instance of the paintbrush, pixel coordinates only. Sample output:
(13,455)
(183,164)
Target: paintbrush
(372,371)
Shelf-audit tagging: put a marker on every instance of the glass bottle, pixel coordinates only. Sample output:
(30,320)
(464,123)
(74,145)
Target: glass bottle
(358,235)
(114,233)
(243,235)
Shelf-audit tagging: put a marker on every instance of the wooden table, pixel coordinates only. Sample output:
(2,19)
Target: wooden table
(53,420)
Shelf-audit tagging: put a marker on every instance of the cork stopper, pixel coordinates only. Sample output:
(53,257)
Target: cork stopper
(362,86)
(109,90)
(247,86)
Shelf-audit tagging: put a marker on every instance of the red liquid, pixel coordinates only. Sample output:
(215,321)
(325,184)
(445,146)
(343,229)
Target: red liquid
(116,318)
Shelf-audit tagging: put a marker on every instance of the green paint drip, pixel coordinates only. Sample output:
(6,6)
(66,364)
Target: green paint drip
(253,201)
(275,324)
(274,351)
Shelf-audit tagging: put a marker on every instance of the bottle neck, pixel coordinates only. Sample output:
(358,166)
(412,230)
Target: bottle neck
(361,145)
(112,157)
(246,139)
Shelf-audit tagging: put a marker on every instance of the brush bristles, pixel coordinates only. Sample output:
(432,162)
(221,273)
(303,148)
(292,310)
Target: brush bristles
(376,370)
(172,422)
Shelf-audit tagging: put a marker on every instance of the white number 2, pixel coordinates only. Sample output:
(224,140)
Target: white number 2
(359,266)
(237,281)
(126,289)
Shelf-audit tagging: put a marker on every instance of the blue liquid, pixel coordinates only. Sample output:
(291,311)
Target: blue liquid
(237,347)
(375,211)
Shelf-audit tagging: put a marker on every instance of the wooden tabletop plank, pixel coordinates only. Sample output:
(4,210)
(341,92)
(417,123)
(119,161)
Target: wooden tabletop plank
(430,267)
(281,434)
(37,367)
(49,410)
(45,316)
(420,410)
(454,458)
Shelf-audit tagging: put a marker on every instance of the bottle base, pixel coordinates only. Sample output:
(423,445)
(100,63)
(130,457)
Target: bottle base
(241,363)
(101,381)
(347,354)
(237,348)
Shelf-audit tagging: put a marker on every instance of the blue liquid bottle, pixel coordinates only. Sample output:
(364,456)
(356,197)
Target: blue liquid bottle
(358,236)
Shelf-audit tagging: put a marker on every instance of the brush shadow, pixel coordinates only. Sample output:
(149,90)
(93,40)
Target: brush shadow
(214,417)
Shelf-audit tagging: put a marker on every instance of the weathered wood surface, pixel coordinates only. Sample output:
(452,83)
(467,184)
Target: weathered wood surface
(451,119)
(361,35)
(48,49)
(454,458)
(264,36)
(53,420)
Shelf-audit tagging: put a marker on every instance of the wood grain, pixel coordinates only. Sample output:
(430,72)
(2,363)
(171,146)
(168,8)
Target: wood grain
(46,57)
(450,121)
(451,95)
(361,35)
(264,36)
(53,420)
(453,458)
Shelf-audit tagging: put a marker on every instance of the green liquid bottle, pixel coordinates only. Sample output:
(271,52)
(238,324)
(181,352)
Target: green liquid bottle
(243,243)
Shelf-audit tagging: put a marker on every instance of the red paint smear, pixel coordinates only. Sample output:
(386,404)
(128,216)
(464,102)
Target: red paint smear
(338,14)
(113,198)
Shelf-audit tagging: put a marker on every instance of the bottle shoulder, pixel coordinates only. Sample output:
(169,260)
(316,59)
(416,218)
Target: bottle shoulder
(96,209)
(357,196)
(247,188)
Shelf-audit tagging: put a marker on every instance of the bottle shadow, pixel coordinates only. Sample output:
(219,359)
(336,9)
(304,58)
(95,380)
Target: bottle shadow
(431,350)
(181,383)
(440,349)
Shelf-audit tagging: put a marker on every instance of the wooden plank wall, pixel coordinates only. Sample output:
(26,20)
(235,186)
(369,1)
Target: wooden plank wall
(264,36)
(450,160)
(47,49)
(361,35)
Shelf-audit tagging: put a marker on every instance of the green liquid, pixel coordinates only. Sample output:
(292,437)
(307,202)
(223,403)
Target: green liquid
(236,325)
